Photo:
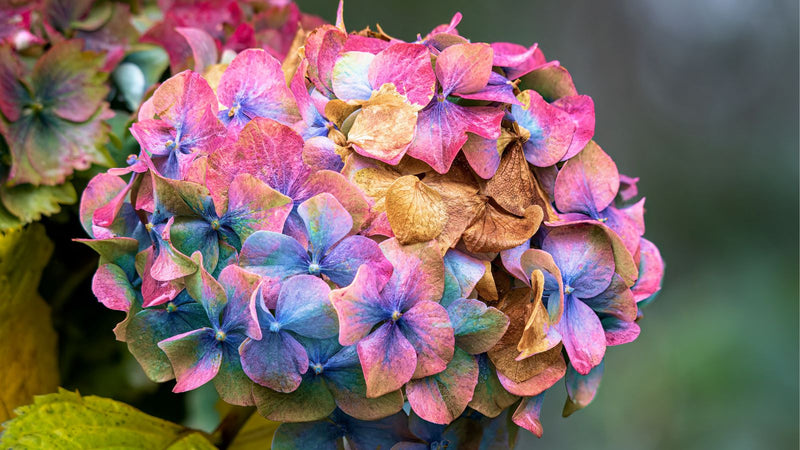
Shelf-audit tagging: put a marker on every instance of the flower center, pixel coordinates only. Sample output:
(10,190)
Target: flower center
(220,335)
(171,307)
(148,226)
(215,224)
(234,109)
(274,327)
(317,368)
(170,145)
(132,159)
(568,289)
(440,445)
(314,269)
(36,106)
(396,316)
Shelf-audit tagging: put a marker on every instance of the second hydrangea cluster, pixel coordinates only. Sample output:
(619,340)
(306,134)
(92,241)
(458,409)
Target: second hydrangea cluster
(395,243)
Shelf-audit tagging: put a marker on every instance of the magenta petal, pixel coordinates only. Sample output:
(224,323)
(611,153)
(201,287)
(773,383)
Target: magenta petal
(184,98)
(482,155)
(527,414)
(627,223)
(408,67)
(587,183)
(516,59)
(359,306)
(511,262)
(442,128)
(427,327)
(499,89)
(277,361)
(152,135)
(387,359)
(651,271)
(581,110)
(582,335)
(551,129)
(170,264)
(204,48)
(536,384)
(111,287)
(464,68)
(617,300)
(627,187)
(195,357)
(156,292)
(441,398)
(619,332)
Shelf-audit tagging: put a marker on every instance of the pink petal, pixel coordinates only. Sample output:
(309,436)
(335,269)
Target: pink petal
(204,48)
(408,67)
(427,327)
(387,359)
(582,335)
(581,110)
(464,68)
(587,183)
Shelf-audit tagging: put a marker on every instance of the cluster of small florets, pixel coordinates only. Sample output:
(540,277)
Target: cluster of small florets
(395,229)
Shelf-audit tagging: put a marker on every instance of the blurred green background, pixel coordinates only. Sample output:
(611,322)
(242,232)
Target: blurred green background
(699,98)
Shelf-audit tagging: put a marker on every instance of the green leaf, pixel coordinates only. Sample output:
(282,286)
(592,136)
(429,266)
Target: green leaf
(68,420)
(27,339)
(29,203)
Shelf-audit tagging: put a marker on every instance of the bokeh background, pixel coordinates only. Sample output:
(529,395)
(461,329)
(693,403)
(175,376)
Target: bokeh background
(699,98)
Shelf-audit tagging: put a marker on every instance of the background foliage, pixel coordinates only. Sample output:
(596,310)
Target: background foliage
(700,99)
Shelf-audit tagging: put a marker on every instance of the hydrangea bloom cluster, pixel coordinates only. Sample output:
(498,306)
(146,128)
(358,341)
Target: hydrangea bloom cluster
(400,244)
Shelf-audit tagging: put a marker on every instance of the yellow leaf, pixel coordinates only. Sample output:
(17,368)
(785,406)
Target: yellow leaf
(27,339)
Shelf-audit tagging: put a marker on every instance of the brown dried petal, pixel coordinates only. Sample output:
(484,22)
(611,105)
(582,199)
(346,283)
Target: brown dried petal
(536,337)
(415,211)
(337,111)
(385,126)
(516,305)
(459,193)
(375,182)
(495,230)
(512,186)
(486,286)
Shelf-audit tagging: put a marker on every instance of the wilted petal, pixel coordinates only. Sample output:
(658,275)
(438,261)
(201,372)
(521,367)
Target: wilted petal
(490,397)
(527,414)
(415,211)
(494,230)
(539,335)
(554,369)
(384,127)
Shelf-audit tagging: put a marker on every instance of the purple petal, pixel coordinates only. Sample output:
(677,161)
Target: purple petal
(195,357)
(387,359)
(587,183)
(442,398)
(273,255)
(408,67)
(581,388)
(342,263)
(427,327)
(617,300)
(303,307)
(442,128)
(516,59)
(499,89)
(277,361)
(462,273)
(360,306)
(240,310)
(582,335)
(326,221)
(511,260)
(584,255)
(550,128)
(265,95)
(319,152)
(464,68)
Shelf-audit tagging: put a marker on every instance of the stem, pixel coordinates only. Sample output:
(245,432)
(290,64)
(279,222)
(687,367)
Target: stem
(227,430)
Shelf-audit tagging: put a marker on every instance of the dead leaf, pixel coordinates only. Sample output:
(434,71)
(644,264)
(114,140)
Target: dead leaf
(494,230)
(415,211)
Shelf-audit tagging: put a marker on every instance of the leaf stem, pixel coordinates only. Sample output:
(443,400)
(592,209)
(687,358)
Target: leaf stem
(231,424)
